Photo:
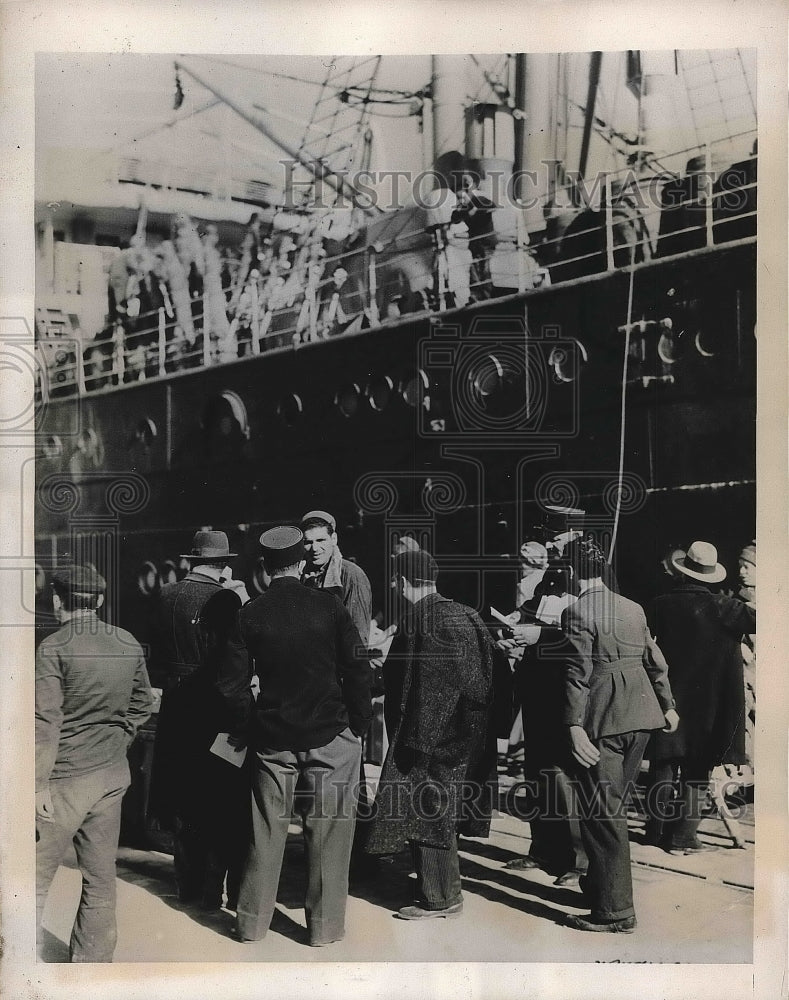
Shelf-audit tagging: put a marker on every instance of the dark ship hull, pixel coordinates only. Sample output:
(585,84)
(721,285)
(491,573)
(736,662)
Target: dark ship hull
(458,428)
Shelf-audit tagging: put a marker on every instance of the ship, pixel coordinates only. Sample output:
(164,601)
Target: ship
(589,362)
(596,354)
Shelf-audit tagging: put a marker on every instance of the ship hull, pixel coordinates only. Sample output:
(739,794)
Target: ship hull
(459,429)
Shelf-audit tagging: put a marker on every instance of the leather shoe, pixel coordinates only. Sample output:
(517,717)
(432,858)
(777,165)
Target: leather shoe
(526,863)
(624,926)
(417,913)
(322,944)
(570,880)
(693,849)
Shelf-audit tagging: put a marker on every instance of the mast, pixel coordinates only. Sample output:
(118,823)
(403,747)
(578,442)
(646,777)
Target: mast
(535,76)
(246,111)
(595,62)
(448,91)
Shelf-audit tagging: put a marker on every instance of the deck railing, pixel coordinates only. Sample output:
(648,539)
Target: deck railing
(620,220)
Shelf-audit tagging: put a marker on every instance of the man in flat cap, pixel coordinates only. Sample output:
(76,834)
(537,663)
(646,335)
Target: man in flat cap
(436,779)
(92,695)
(196,795)
(326,568)
(305,728)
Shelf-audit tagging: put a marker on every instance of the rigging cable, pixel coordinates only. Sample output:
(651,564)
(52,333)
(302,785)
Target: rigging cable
(623,409)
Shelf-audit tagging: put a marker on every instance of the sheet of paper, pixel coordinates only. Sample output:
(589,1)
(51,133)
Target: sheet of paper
(222,748)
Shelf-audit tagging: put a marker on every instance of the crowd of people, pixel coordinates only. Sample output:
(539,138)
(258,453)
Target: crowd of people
(266,704)
(212,303)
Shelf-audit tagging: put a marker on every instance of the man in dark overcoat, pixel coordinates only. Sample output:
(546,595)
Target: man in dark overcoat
(700,633)
(617,691)
(438,778)
(305,729)
(196,795)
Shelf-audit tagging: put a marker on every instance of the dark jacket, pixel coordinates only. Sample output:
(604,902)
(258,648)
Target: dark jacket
(301,642)
(443,735)
(616,678)
(92,695)
(193,622)
(700,633)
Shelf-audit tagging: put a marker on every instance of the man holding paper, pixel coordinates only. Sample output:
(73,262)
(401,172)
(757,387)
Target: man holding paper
(305,729)
(201,798)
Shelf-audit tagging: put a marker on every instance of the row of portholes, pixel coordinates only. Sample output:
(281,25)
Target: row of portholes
(225,415)
(378,394)
(87,446)
(150,578)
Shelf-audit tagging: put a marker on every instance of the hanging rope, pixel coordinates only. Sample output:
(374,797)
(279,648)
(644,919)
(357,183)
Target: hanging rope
(623,411)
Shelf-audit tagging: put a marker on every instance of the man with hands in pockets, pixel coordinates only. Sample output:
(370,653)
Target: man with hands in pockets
(305,729)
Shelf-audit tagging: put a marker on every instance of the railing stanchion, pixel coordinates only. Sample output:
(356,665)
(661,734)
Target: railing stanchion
(120,361)
(708,193)
(253,289)
(162,343)
(206,337)
(372,284)
(609,225)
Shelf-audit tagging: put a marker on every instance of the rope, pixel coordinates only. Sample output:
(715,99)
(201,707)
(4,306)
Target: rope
(622,413)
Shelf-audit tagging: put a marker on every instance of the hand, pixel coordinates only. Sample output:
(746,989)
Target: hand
(236,742)
(44,808)
(672,721)
(584,751)
(526,635)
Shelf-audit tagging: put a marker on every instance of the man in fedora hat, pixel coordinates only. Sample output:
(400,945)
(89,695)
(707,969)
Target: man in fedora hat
(92,695)
(305,729)
(196,795)
(700,633)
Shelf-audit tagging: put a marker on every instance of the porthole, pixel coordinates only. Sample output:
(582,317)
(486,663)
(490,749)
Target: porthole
(260,578)
(88,443)
(487,377)
(379,392)
(567,361)
(290,408)
(53,447)
(225,417)
(347,399)
(168,573)
(147,579)
(414,388)
(145,433)
(703,348)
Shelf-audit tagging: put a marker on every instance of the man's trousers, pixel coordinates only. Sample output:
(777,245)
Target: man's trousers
(438,875)
(327,779)
(602,796)
(87,812)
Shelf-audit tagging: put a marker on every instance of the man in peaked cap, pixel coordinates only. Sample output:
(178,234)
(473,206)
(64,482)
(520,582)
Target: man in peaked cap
(92,695)
(196,795)
(305,729)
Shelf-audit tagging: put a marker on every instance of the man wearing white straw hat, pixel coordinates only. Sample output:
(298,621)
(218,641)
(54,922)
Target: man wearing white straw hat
(699,632)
